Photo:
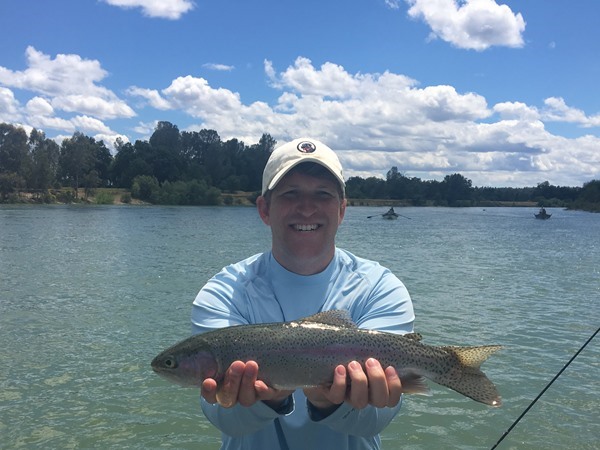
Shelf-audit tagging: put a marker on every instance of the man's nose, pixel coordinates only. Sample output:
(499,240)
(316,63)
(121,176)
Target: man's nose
(306,205)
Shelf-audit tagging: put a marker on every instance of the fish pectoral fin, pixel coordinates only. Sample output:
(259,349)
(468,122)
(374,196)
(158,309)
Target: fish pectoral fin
(413,383)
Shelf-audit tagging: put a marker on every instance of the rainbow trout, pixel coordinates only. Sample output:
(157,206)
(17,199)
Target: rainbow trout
(305,352)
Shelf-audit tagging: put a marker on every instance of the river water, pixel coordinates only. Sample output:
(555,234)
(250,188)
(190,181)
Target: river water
(88,295)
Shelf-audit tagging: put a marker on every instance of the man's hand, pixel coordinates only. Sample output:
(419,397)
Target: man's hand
(241,385)
(372,386)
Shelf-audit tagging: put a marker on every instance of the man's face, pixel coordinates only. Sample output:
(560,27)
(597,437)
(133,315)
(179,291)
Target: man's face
(304,213)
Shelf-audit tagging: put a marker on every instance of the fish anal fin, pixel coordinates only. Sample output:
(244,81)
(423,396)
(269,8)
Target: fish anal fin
(336,317)
(413,383)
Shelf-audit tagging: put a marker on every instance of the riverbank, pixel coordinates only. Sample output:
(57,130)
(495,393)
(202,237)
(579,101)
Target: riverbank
(119,196)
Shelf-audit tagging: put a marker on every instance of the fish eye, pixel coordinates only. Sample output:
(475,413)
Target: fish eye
(170,362)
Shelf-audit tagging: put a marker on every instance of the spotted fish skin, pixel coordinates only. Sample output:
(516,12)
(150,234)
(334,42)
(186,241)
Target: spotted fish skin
(304,353)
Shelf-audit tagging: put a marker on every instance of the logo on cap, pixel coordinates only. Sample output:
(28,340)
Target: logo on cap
(306,147)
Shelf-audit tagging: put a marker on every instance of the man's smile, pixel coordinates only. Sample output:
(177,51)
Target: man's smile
(305,227)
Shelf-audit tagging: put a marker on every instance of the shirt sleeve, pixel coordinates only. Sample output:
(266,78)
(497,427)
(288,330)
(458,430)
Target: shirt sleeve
(240,420)
(365,422)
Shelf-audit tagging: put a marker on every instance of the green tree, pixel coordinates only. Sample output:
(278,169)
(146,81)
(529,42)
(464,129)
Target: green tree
(9,183)
(374,187)
(253,160)
(165,155)
(397,184)
(91,181)
(78,156)
(456,190)
(45,155)
(591,191)
(145,188)
(14,153)
(589,197)
(102,161)
(75,160)
(195,145)
(130,162)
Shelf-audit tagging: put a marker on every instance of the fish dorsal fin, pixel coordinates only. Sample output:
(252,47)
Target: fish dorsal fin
(336,317)
(472,357)
(413,336)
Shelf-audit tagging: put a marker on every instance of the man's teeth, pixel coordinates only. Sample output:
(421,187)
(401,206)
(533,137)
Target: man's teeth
(305,227)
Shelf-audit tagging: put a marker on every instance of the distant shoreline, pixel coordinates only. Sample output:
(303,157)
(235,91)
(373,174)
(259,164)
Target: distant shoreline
(118,196)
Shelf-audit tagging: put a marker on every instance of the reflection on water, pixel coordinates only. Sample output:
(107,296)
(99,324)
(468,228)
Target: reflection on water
(88,295)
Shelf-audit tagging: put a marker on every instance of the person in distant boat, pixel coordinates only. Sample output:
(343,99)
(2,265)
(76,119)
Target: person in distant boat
(390,212)
(303,202)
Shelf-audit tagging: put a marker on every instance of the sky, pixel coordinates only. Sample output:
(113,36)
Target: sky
(504,92)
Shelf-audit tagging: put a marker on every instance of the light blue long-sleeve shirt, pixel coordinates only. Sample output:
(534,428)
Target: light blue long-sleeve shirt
(259,290)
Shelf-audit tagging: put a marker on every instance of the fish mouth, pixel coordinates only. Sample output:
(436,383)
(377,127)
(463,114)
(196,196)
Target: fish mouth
(303,228)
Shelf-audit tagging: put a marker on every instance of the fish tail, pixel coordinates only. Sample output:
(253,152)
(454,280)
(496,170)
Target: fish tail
(466,378)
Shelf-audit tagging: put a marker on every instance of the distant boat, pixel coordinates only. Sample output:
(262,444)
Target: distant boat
(390,215)
(543,215)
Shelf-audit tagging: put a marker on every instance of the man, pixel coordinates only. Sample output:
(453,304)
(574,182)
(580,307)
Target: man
(303,202)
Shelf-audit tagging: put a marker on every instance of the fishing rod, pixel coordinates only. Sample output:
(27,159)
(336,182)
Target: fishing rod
(545,389)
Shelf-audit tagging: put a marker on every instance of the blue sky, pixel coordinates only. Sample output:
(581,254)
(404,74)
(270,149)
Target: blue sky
(503,92)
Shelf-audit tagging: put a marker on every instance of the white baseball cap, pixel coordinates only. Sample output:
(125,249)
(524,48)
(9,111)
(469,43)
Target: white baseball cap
(298,151)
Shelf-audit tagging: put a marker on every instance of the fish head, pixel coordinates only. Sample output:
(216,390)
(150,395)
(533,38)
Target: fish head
(185,367)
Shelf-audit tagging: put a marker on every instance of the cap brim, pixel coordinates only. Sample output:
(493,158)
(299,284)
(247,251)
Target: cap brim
(277,178)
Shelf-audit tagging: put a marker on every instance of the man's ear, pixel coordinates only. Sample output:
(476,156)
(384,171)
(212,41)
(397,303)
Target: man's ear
(342,210)
(263,209)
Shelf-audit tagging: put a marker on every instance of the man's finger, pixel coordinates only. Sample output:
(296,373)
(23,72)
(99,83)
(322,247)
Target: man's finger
(228,393)
(394,386)
(359,385)
(247,392)
(209,390)
(337,392)
(377,382)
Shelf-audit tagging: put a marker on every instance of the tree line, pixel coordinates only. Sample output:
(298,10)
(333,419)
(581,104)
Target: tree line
(196,168)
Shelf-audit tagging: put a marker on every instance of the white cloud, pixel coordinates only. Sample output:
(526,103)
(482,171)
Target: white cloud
(85,124)
(39,106)
(9,106)
(377,121)
(64,75)
(516,110)
(163,9)
(470,24)
(192,95)
(146,128)
(558,111)
(392,4)
(332,80)
(110,139)
(97,106)
(69,83)
(218,67)
(151,95)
